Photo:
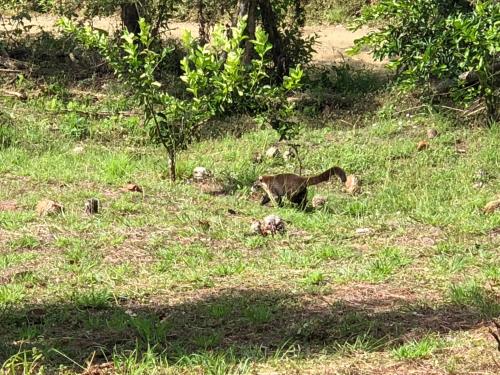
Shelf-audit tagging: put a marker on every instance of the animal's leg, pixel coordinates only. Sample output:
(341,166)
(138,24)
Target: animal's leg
(265,199)
(279,200)
(300,198)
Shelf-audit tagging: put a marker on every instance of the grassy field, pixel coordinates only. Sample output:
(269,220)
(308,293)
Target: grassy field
(402,278)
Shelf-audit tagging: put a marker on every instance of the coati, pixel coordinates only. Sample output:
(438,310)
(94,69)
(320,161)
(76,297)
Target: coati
(292,186)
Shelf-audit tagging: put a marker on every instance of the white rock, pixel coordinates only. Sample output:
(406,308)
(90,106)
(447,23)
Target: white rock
(200,173)
(78,150)
(352,185)
(272,152)
(362,231)
(289,154)
(318,201)
(256,227)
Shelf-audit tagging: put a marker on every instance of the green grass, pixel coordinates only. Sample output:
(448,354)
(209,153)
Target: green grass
(472,293)
(169,281)
(333,11)
(418,349)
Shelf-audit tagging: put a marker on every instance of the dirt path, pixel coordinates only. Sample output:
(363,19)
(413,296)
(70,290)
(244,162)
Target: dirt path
(332,40)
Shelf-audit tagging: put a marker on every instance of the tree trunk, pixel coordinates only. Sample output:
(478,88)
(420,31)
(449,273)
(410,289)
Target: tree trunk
(202,23)
(247,8)
(250,31)
(171,164)
(269,23)
(130,17)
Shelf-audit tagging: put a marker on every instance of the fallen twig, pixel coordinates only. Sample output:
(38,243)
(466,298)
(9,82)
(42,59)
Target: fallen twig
(410,109)
(452,108)
(95,114)
(10,70)
(16,94)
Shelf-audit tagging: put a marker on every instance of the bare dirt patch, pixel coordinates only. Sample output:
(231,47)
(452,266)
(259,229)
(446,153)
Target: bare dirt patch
(333,41)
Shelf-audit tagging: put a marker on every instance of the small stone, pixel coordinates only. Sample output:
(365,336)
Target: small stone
(352,185)
(257,158)
(422,145)
(92,206)
(289,154)
(256,227)
(272,152)
(432,133)
(132,188)
(77,150)
(460,146)
(318,201)
(48,207)
(492,206)
(363,231)
(271,224)
(200,173)
(8,206)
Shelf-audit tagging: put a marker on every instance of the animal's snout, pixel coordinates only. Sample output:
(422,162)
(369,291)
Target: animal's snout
(256,187)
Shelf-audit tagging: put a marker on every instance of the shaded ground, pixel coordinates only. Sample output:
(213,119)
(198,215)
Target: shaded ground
(250,322)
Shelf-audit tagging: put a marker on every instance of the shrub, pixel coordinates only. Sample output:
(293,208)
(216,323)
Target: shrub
(75,127)
(426,39)
(217,81)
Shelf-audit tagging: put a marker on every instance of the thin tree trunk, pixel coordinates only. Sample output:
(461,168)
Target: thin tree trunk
(247,8)
(171,164)
(241,10)
(202,27)
(159,21)
(130,17)
(250,31)
(269,23)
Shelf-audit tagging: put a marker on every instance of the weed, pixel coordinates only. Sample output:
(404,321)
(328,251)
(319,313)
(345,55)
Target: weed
(75,126)
(24,242)
(470,293)
(416,349)
(151,330)
(11,294)
(386,263)
(7,134)
(13,259)
(314,278)
(219,311)
(93,299)
(258,314)
(24,362)
(228,269)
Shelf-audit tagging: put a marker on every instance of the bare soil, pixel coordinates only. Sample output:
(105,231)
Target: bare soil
(333,40)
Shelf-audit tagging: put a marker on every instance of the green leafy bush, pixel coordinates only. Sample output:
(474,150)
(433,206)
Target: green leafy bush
(427,39)
(290,19)
(217,81)
(75,127)
(226,85)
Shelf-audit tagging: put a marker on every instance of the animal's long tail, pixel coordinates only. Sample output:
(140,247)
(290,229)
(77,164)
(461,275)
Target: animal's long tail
(326,175)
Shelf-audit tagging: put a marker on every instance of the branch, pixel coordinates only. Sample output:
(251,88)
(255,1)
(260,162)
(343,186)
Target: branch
(96,114)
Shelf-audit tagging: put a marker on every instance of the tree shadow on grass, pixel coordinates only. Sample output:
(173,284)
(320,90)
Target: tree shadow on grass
(250,324)
(339,90)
